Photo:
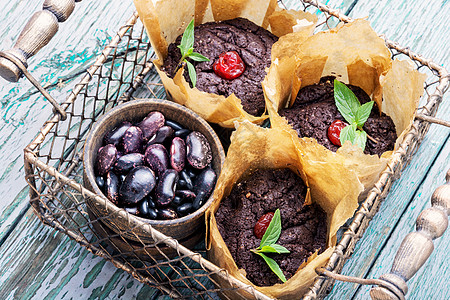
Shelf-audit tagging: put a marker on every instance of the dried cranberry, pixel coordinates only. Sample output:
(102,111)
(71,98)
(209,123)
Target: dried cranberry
(262,224)
(334,131)
(229,65)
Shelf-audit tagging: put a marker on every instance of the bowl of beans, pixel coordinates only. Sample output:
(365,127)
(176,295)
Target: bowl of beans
(153,162)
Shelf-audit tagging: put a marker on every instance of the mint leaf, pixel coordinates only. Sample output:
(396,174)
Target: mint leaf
(363,113)
(348,133)
(274,248)
(273,266)
(187,40)
(198,57)
(360,139)
(346,101)
(192,74)
(273,231)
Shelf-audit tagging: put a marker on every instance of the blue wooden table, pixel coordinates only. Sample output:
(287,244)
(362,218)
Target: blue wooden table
(38,263)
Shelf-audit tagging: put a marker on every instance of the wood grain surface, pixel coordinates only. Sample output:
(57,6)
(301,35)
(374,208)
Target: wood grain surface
(38,263)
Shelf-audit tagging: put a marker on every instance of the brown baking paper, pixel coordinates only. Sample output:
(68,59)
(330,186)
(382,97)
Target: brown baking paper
(355,55)
(165,20)
(253,147)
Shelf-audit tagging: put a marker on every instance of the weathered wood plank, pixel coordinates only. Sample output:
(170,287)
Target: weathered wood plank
(408,22)
(38,263)
(435,272)
(24,110)
(89,276)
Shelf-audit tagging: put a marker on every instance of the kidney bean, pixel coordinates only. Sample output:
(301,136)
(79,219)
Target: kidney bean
(162,135)
(106,158)
(127,162)
(132,140)
(177,154)
(204,185)
(165,190)
(112,187)
(157,158)
(198,150)
(138,184)
(115,135)
(151,124)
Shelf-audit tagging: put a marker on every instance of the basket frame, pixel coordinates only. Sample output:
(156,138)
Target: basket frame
(400,158)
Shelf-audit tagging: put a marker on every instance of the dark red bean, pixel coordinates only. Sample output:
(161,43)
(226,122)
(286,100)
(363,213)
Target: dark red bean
(112,187)
(143,208)
(181,184)
(174,125)
(138,184)
(132,140)
(176,201)
(150,125)
(162,135)
(198,150)
(165,190)
(122,178)
(157,158)
(150,200)
(106,158)
(184,209)
(167,214)
(152,213)
(186,195)
(115,135)
(203,186)
(177,154)
(127,162)
(182,133)
(100,181)
(184,175)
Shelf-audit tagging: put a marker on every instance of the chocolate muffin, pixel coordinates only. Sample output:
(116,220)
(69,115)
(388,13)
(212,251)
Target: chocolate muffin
(314,110)
(252,43)
(303,230)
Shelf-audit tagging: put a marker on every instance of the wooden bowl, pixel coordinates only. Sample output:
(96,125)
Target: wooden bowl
(132,227)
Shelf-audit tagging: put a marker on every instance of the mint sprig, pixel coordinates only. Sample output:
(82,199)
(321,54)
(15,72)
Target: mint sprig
(187,51)
(354,113)
(268,245)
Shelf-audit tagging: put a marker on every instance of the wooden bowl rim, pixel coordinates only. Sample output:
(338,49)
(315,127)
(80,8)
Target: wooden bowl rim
(89,169)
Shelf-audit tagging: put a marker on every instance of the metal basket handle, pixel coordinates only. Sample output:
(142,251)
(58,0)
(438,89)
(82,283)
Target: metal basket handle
(414,251)
(37,33)
(417,246)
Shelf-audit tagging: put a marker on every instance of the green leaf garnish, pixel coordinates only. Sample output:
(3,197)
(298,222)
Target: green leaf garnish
(273,232)
(348,133)
(363,113)
(187,51)
(360,138)
(192,74)
(198,57)
(346,101)
(354,113)
(273,266)
(268,245)
(274,248)
(187,40)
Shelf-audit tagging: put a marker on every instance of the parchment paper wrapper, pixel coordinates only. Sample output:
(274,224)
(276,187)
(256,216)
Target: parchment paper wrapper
(165,20)
(355,55)
(252,148)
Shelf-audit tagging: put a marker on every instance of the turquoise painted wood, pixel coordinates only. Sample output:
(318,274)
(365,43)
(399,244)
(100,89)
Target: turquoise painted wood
(37,263)
(411,29)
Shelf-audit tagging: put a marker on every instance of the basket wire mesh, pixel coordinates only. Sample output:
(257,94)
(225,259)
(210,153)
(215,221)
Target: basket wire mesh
(123,72)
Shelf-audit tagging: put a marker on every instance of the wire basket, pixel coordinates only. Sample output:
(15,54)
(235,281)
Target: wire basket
(123,72)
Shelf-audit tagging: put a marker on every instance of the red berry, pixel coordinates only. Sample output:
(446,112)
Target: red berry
(262,224)
(334,131)
(229,65)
